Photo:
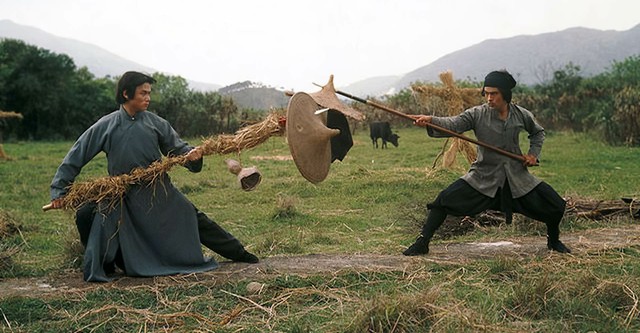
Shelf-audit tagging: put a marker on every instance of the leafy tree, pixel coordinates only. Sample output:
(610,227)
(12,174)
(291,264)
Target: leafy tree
(625,73)
(563,105)
(627,114)
(203,119)
(227,115)
(92,98)
(169,99)
(609,98)
(37,83)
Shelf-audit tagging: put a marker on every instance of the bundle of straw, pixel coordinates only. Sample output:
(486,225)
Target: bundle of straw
(9,114)
(455,99)
(109,190)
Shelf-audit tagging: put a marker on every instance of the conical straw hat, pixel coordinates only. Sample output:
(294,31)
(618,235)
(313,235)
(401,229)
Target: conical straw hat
(309,138)
(327,98)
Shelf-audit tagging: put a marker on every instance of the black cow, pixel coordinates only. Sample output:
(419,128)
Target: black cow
(382,130)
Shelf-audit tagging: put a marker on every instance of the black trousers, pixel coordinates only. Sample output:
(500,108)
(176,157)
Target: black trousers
(212,235)
(542,203)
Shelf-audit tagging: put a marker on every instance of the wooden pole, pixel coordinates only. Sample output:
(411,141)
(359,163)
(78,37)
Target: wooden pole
(436,127)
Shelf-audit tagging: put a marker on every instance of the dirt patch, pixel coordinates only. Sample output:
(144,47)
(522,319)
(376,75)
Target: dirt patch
(581,243)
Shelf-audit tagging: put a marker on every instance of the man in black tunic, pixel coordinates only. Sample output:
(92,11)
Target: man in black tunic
(495,181)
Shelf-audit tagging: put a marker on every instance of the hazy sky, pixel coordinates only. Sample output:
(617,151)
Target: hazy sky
(292,43)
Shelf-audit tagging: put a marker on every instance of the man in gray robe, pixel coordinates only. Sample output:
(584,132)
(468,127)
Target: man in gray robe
(495,181)
(154,229)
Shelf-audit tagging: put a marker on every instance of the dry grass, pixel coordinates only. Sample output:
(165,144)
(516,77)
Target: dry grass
(593,289)
(600,209)
(8,228)
(404,313)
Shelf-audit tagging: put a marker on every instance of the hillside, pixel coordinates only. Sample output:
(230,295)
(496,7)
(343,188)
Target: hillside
(99,61)
(252,95)
(531,58)
(375,86)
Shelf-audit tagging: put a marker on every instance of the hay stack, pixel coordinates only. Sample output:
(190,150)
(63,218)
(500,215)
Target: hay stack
(6,115)
(3,155)
(9,114)
(454,100)
(108,190)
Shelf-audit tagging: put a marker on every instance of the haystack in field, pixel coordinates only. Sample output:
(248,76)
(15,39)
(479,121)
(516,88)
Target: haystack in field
(108,190)
(454,100)
(6,115)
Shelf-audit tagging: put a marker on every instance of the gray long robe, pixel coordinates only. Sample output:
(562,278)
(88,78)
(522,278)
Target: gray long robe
(155,227)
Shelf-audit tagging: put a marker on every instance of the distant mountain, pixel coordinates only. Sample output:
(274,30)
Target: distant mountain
(532,59)
(253,95)
(375,86)
(99,61)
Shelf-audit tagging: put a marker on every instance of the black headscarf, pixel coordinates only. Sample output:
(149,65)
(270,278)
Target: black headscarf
(501,80)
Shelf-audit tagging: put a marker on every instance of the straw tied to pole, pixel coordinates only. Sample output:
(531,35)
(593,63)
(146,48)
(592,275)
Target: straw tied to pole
(109,190)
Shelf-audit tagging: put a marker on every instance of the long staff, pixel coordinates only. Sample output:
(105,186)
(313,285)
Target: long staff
(434,126)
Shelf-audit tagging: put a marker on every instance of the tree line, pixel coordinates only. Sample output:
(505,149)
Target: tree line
(58,100)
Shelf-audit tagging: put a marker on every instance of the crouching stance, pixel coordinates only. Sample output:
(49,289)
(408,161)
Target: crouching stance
(153,229)
(495,181)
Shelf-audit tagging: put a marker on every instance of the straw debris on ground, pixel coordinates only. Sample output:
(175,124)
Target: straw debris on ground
(8,228)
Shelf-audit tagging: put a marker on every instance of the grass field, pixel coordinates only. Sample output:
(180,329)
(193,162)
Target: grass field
(373,202)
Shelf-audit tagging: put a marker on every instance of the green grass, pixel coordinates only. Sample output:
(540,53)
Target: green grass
(372,202)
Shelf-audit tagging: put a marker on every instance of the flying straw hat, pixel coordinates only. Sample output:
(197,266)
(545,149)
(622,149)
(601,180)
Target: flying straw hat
(309,138)
(328,99)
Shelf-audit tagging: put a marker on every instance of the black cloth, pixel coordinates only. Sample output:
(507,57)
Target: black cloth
(542,203)
(341,143)
(217,239)
(500,79)
(84,220)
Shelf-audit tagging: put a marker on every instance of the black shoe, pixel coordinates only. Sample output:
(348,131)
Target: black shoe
(247,257)
(419,247)
(557,246)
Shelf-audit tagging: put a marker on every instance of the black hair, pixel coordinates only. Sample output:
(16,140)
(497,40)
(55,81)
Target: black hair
(129,82)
